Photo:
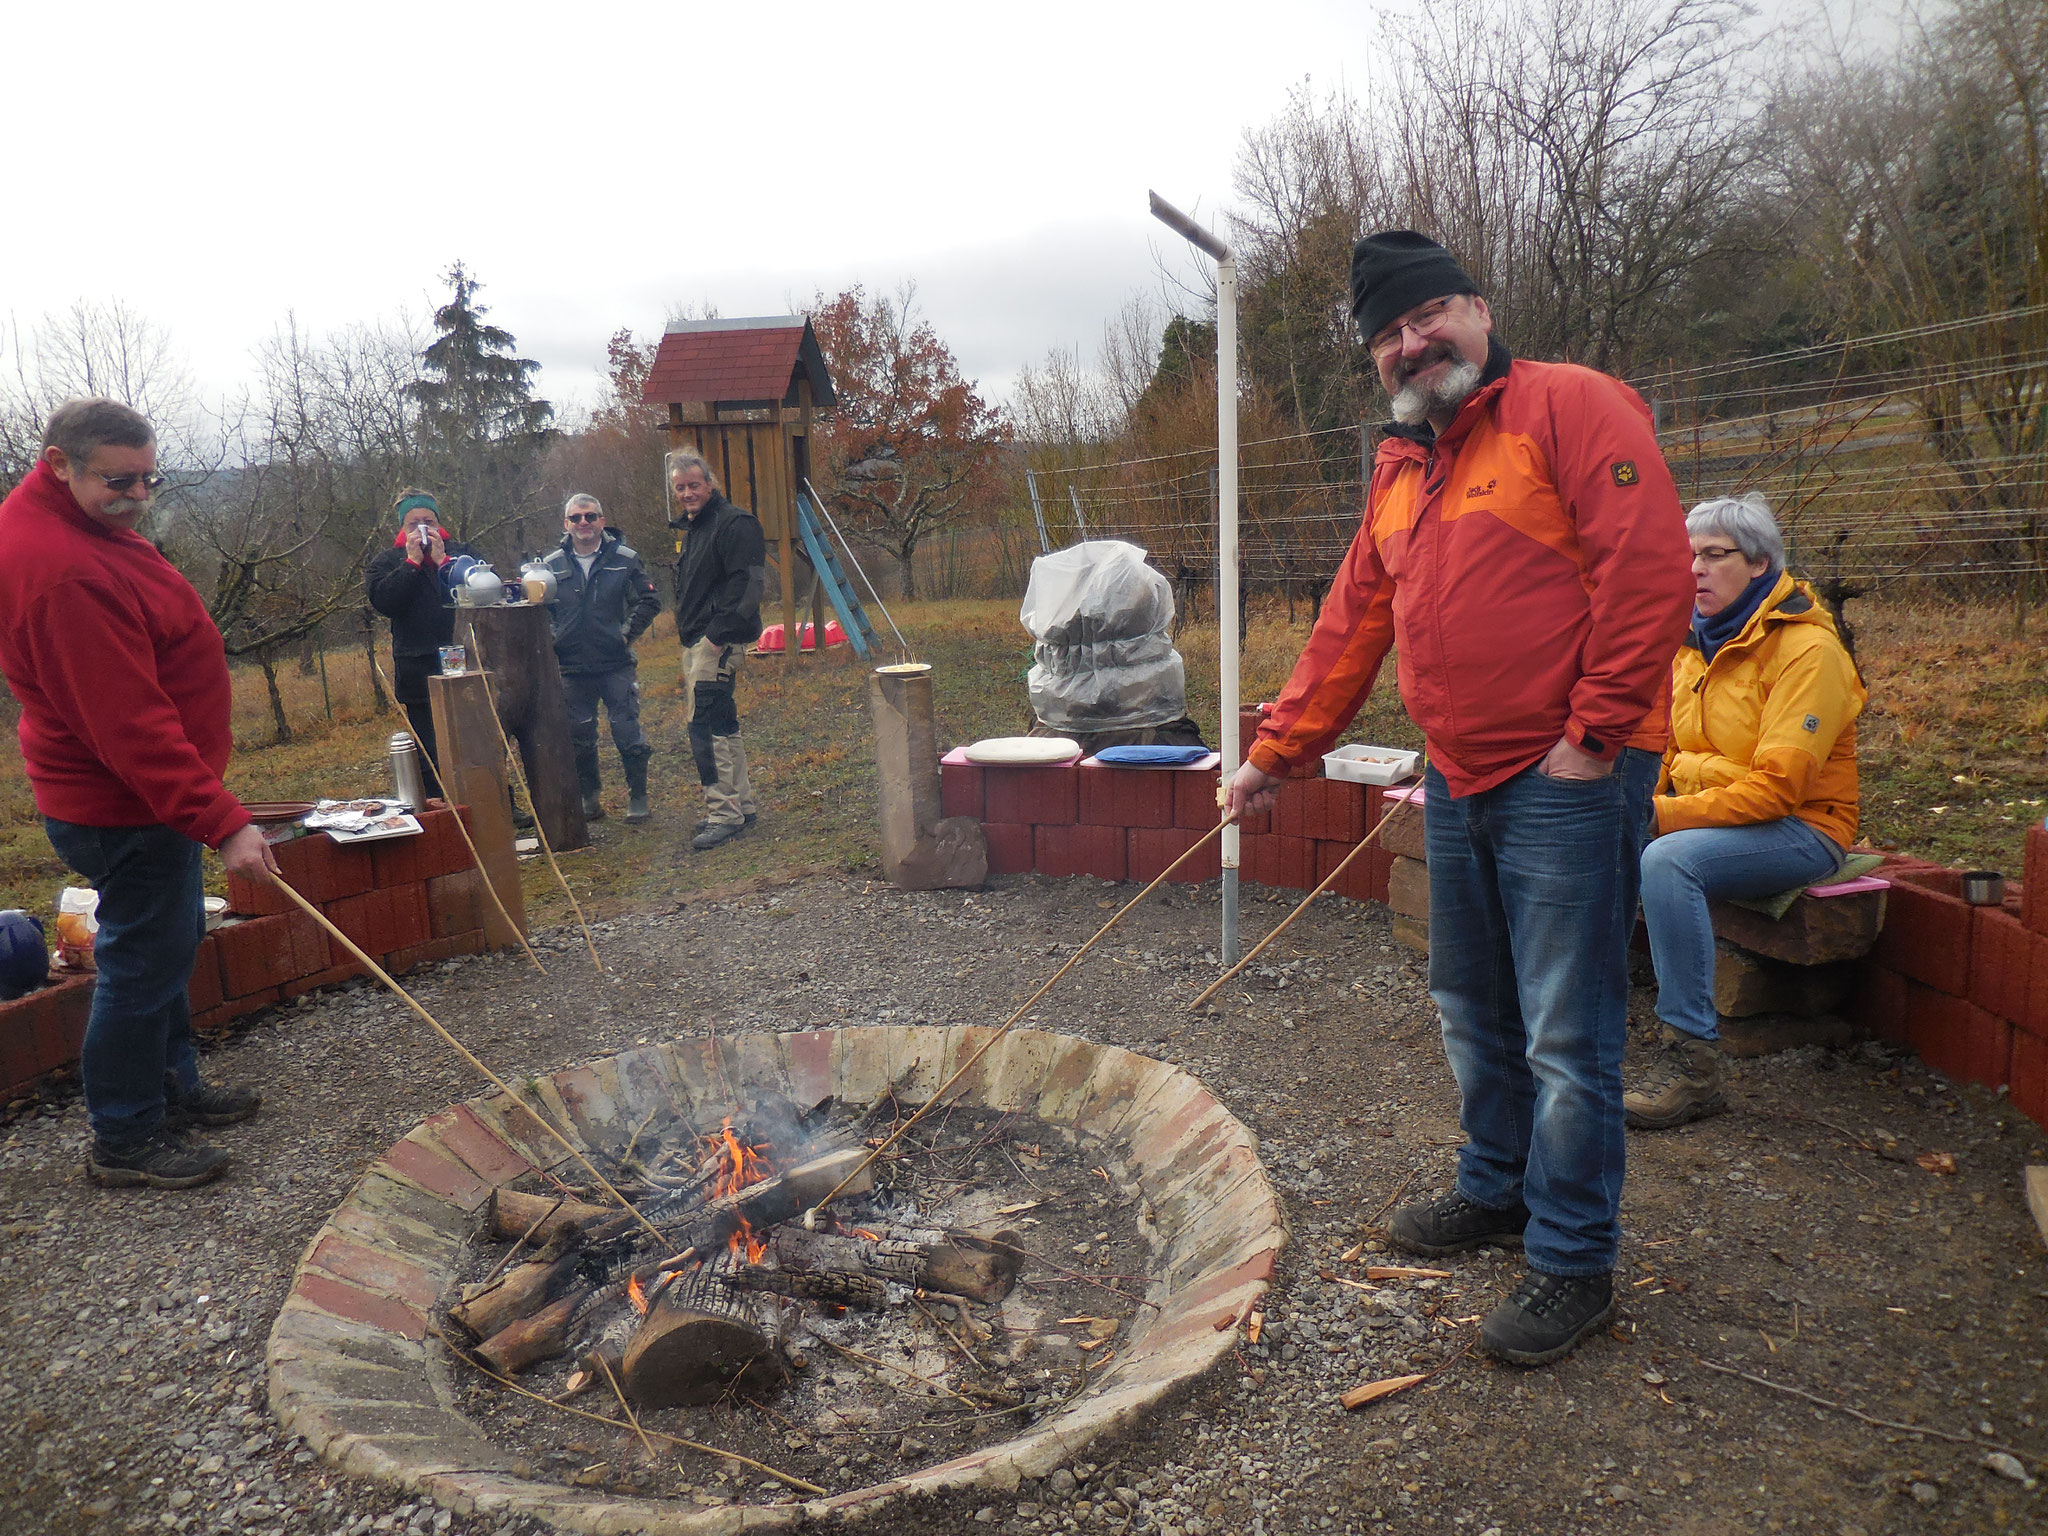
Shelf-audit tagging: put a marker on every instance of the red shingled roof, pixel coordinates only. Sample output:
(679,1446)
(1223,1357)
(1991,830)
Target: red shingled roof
(754,360)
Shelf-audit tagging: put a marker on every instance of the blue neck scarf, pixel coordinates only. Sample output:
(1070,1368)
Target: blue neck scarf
(1713,633)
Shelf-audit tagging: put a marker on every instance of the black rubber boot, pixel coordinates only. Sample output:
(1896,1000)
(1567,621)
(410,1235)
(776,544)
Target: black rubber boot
(587,781)
(1547,1316)
(1453,1224)
(636,790)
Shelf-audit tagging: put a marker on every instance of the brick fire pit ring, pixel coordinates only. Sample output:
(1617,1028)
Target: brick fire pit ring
(355,1370)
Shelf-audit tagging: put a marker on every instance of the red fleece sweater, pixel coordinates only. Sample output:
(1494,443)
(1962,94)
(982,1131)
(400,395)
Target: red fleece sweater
(120,672)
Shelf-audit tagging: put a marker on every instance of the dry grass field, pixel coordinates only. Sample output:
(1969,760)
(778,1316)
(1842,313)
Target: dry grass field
(1952,746)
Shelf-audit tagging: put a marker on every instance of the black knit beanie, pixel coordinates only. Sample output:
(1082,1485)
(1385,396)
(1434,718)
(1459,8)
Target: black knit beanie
(1395,270)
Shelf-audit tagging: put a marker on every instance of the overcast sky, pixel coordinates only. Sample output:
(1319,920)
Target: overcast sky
(216,165)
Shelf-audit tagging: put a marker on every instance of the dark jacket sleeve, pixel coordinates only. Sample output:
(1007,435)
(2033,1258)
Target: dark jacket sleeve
(736,601)
(394,582)
(646,601)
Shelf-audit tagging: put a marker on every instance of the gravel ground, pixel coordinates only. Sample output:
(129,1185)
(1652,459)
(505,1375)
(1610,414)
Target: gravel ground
(1795,1238)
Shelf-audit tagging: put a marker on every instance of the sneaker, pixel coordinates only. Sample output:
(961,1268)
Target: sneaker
(1453,1224)
(1683,1083)
(1547,1316)
(161,1160)
(716,834)
(210,1104)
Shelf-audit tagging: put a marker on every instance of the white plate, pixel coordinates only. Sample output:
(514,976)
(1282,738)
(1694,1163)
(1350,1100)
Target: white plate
(1023,751)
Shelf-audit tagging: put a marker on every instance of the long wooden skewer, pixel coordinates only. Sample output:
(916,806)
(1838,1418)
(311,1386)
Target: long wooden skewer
(598,1418)
(1328,880)
(811,1216)
(526,789)
(465,1053)
(460,825)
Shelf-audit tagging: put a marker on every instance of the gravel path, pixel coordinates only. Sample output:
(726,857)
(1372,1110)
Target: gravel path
(1795,1238)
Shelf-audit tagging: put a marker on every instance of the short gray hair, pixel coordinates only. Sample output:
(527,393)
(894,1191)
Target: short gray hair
(77,427)
(1745,521)
(583,499)
(689,458)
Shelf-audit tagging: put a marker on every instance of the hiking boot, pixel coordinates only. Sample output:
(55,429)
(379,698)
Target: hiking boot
(717,834)
(707,823)
(636,809)
(592,809)
(1683,1083)
(161,1160)
(209,1104)
(1547,1316)
(1453,1224)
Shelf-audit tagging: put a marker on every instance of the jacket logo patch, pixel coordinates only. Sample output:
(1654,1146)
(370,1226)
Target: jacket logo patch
(1625,472)
(1812,724)
(1481,490)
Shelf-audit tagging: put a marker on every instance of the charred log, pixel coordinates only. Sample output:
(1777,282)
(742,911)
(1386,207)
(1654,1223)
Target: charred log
(697,1343)
(531,1340)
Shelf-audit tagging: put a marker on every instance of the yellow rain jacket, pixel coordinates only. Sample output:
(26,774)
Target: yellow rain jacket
(1768,728)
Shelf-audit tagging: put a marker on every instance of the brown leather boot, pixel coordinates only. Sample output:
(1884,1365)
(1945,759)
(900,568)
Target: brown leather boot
(1683,1083)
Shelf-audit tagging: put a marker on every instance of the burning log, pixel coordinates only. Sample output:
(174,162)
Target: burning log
(512,1215)
(852,1269)
(522,1290)
(533,1339)
(775,1199)
(696,1343)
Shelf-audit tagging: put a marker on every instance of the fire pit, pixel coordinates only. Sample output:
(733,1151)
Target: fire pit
(941,1324)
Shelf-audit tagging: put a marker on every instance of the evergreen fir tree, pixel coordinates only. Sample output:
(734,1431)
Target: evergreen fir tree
(484,431)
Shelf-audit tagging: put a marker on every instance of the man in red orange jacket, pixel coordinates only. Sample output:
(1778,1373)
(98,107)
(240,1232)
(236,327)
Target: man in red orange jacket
(124,693)
(1524,549)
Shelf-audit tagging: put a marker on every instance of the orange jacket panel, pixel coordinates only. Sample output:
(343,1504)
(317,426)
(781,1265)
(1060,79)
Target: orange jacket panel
(1532,564)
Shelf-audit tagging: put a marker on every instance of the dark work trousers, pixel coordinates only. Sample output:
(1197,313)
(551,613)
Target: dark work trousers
(619,691)
(151,916)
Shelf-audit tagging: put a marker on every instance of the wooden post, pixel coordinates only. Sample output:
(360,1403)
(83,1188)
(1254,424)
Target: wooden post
(786,488)
(921,851)
(800,459)
(517,644)
(473,774)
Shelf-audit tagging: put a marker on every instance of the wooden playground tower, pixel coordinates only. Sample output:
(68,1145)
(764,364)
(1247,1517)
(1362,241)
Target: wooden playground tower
(743,393)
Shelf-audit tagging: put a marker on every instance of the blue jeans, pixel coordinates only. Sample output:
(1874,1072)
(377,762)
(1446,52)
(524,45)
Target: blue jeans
(1531,901)
(152,916)
(1682,871)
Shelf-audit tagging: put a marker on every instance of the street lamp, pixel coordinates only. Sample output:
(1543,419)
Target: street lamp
(1226,525)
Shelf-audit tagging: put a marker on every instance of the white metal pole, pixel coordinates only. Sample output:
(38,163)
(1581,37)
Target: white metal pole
(1226,527)
(1226,572)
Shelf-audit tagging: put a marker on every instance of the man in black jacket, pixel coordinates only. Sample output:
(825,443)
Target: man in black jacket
(406,586)
(604,600)
(718,614)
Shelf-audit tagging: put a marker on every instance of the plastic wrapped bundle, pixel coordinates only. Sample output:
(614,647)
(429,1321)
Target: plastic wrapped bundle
(1103,620)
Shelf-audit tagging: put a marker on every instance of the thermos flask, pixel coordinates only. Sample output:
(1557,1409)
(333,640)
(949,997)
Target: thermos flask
(406,780)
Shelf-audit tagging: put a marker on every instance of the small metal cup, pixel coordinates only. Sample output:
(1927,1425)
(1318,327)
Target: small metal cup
(1983,887)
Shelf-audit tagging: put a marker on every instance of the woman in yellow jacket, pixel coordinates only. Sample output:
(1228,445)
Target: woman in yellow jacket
(1758,792)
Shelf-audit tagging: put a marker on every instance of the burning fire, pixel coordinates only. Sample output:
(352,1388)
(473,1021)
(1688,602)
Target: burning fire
(636,1294)
(739,1166)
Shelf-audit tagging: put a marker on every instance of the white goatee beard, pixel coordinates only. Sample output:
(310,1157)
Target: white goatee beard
(1415,401)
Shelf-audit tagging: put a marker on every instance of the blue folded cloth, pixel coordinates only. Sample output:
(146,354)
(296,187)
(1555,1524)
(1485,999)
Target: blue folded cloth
(1152,757)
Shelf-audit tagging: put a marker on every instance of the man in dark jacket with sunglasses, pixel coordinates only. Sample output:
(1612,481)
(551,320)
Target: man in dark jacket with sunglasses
(604,601)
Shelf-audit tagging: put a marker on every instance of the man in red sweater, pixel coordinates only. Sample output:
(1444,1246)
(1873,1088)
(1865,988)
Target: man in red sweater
(1524,554)
(124,692)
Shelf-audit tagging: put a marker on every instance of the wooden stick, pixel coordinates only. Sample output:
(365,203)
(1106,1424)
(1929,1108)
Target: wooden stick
(1909,1429)
(507,1256)
(462,826)
(811,1216)
(466,1054)
(620,1393)
(533,810)
(1329,880)
(598,1418)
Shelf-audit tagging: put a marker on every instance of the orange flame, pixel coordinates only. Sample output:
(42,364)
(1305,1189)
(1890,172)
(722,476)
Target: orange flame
(739,1166)
(636,1295)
